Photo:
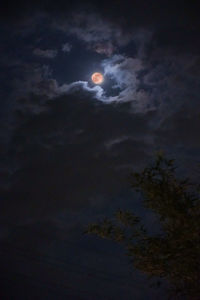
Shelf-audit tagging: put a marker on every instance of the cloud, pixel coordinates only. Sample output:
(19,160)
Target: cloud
(56,150)
(48,53)
(66,47)
(181,129)
(109,144)
(149,82)
(81,86)
(51,89)
(124,72)
(106,48)
(99,34)
(35,78)
(122,69)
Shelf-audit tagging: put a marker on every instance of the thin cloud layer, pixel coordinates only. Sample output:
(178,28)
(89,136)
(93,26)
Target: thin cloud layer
(98,34)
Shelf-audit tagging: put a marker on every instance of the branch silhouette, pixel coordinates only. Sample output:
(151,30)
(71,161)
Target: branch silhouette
(173,254)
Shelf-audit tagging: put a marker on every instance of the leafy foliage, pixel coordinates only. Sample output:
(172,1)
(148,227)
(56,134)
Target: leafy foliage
(173,254)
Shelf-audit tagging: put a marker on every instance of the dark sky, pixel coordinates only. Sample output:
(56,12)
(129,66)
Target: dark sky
(68,146)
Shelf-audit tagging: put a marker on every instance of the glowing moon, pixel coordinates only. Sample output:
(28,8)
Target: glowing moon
(97,78)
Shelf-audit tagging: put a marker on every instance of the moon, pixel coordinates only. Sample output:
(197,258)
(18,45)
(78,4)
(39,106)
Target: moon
(97,78)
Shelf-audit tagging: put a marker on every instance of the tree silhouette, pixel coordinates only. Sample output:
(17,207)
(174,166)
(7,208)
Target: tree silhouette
(173,254)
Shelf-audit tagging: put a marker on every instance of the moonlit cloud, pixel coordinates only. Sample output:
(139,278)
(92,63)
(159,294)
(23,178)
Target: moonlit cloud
(124,72)
(122,69)
(78,86)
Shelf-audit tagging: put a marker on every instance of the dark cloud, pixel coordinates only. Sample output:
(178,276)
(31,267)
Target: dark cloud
(142,12)
(60,156)
(181,129)
(98,34)
(179,136)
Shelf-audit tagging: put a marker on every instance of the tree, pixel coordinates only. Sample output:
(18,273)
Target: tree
(173,254)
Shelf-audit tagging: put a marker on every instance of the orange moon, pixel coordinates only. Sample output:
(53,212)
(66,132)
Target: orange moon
(97,78)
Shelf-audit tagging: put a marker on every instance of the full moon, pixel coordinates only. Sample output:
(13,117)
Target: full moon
(97,78)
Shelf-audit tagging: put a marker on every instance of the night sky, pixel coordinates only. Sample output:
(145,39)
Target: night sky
(68,146)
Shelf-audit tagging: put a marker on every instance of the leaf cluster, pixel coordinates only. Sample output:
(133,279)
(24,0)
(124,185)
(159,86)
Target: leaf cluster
(174,254)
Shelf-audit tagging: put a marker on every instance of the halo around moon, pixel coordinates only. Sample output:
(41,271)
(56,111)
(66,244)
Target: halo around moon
(97,78)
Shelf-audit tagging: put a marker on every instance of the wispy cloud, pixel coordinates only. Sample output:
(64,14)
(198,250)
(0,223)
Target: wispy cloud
(48,53)
(99,35)
(66,47)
